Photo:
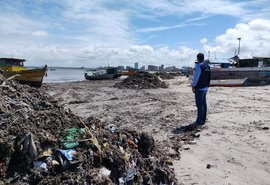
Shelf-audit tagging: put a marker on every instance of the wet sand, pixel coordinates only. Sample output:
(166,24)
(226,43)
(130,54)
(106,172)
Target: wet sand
(234,146)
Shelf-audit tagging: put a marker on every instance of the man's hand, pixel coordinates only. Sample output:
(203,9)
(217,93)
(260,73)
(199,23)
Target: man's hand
(193,89)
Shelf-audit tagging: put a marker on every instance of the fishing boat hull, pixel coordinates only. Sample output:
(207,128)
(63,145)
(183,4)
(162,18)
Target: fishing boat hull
(101,77)
(104,74)
(32,77)
(228,82)
(253,74)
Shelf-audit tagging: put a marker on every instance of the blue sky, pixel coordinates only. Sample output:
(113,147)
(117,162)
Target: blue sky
(94,33)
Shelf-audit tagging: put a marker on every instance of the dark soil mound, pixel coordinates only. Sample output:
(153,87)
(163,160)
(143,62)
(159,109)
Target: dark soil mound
(141,80)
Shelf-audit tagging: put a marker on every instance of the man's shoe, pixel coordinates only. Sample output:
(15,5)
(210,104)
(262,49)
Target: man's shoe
(191,126)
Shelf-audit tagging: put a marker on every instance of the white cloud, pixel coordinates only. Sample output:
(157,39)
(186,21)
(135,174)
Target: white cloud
(94,33)
(40,33)
(187,7)
(142,49)
(143,54)
(244,11)
(203,40)
(255,40)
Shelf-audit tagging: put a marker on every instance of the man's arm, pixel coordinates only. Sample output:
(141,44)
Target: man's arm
(196,77)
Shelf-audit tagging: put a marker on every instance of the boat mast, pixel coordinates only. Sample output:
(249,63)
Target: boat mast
(239,39)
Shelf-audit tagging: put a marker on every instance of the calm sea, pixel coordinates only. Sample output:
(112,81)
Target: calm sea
(60,75)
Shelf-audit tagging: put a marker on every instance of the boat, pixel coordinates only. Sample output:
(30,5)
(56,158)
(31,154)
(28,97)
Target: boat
(225,82)
(256,70)
(228,82)
(240,72)
(12,66)
(103,74)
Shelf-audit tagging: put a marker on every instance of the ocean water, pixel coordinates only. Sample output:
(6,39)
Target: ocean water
(60,75)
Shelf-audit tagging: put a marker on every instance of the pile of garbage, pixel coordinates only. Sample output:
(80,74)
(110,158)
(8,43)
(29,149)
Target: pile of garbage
(141,80)
(43,143)
(164,75)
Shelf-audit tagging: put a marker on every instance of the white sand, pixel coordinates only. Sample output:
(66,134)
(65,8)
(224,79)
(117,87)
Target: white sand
(236,143)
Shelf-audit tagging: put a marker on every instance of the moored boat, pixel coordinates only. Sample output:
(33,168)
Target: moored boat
(104,74)
(12,66)
(256,70)
(228,82)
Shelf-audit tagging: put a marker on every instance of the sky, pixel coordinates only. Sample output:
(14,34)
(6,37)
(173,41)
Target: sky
(94,33)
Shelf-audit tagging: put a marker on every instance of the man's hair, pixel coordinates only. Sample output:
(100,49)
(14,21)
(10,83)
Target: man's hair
(200,57)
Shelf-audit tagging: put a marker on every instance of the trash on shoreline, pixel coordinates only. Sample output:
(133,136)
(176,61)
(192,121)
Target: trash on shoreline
(42,143)
(141,80)
(164,75)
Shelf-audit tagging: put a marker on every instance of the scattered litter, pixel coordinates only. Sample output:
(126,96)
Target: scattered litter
(111,127)
(40,164)
(46,153)
(132,144)
(104,171)
(43,143)
(265,128)
(169,162)
(70,137)
(130,174)
(69,153)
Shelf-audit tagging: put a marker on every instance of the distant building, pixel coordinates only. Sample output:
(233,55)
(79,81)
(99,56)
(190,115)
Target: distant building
(128,67)
(121,68)
(186,71)
(161,68)
(136,65)
(152,68)
(143,68)
(171,68)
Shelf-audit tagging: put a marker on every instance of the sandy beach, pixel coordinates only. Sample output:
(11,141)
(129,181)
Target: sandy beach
(232,149)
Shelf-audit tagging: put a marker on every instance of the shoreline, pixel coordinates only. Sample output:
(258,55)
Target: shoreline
(235,145)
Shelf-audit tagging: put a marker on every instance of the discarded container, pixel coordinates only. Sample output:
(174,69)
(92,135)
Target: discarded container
(40,164)
(131,143)
(136,141)
(70,153)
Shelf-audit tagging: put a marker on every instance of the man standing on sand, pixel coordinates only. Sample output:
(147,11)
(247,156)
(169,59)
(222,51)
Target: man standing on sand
(200,85)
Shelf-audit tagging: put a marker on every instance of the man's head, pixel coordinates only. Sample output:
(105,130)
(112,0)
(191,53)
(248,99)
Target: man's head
(200,57)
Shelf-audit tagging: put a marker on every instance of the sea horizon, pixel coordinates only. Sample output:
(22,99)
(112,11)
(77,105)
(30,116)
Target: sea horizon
(63,75)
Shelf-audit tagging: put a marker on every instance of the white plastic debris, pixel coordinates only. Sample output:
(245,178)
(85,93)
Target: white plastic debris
(104,171)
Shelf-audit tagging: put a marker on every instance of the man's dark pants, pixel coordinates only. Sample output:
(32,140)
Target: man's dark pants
(200,98)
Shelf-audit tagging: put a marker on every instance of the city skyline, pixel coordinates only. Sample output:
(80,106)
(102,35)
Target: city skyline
(94,33)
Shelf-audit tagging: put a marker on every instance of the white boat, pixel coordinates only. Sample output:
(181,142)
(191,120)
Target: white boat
(228,82)
(104,74)
(225,82)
